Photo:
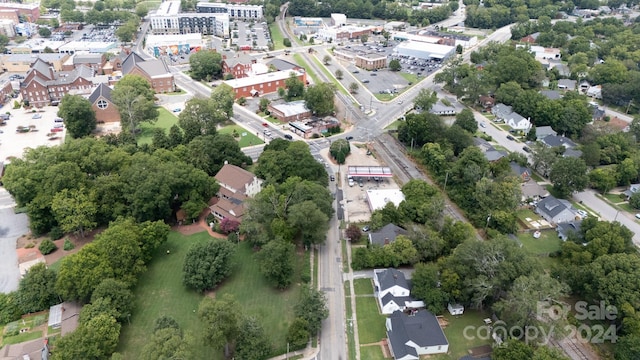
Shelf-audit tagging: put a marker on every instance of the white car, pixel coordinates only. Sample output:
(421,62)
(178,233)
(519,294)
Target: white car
(582,213)
(637,216)
(483,125)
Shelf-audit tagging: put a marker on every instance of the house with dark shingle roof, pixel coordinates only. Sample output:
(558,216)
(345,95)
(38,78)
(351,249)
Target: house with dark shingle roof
(236,185)
(155,71)
(564,230)
(551,94)
(393,291)
(521,172)
(567,84)
(101,103)
(555,210)
(386,235)
(544,131)
(415,333)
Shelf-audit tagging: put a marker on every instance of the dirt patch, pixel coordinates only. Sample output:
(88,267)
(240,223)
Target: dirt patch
(78,243)
(443,322)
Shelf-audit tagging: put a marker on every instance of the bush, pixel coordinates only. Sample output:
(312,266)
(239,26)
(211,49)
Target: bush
(232,237)
(56,233)
(68,245)
(47,247)
(30,245)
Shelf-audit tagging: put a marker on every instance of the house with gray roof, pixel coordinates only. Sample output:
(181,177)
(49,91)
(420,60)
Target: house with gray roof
(565,230)
(501,111)
(633,188)
(513,119)
(551,94)
(393,291)
(386,235)
(567,84)
(521,172)
(534,191)
(555,140)
(441,109)
(544,131)
(556,211)
(155,71)
(495,155)
(415,333)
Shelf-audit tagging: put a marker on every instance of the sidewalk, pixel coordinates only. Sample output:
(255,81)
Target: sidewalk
(308,353)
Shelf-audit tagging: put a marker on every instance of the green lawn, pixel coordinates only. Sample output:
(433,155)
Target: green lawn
(297,58)
(547,243)
(614,198)
(276,36)
(459,344)
(330,76)
(394,125)
(522,214)
(246,137)
(160,292)
(32,335)
(165,121)
(372,352)
(363,286)
(412,78)
(536,177)
(351,342)
(371,327)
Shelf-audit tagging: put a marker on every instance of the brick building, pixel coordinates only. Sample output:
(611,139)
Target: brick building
(155,71)
(263,84)
(291,111)
(31,12)
(95,61)
(43,85)
(238,66)
(24,62)
(101,103)
(6,90)
(371,61)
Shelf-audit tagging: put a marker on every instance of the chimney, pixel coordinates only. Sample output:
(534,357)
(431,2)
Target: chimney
(226,162)
(386,241)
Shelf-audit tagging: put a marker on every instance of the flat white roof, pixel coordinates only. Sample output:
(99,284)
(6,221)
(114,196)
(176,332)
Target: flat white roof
(437,50)
(173,39)
(261,79)
(89,46)
(292,108)
(379,198)
(169,8)
(369,171)
(55,316)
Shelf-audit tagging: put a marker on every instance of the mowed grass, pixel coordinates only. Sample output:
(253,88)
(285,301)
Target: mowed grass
(160,292)
(372,352)
(363,286)
(371,324)
(165,121)
(547,243)
(460,341)
(21,337)
(243,141)
(276,36)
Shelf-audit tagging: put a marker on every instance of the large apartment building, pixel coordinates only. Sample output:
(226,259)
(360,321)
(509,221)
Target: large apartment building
(168,20)
(235,11)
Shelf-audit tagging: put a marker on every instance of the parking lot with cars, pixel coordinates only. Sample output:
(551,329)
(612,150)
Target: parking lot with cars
(250,35)
(26,129)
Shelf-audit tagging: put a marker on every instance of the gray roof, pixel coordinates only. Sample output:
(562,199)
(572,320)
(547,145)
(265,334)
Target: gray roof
(44,68)
(551,94)
(564,229)
(633,188)
(155,67)
(390,278)
(241,58)
(101,91)
(441,108)
(33,57)
(552,206)
(495,155)
(282,65)
(90,58)
(597,112)
(555,140)
(130,61)
(421,328)
(531,189)
(544,131)
(388,232)
(572,153)
(568,83)
(517,169)
(501,110)
(400,300)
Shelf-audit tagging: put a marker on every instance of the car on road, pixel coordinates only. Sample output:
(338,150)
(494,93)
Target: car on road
(58,120)
(526,149)
(374,74)
(356,71)
(400,102)
(58,126)
(583,214)
(176,110)
(265,124)
(483,125)
(366,228)
(637,216)
(349,138)
(288,137)
(332,178)
(365,81)
(510,137)
(267,132)
(37,116)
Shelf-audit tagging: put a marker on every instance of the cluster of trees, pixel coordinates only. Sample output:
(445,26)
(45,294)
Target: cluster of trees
(584,44)
(205,65)
(339,150)
(370,9)
(207,264)
(431,235)
(168,341)
(498,13)
(319,98)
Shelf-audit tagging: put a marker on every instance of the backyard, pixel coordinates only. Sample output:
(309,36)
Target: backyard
(165,121)
(460,341)
(245,138)
(160,292)
(29,328)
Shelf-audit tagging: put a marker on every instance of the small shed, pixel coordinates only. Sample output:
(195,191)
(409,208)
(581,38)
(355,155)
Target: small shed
(55,316)
(455,309)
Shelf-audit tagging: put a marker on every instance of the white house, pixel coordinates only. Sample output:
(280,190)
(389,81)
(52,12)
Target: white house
(414,333)
(595,92)
(393,292)
(556,211)
(518,122)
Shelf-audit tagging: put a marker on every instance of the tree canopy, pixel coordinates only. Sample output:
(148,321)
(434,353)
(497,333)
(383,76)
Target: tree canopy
(205,65)
(207,264)
(78,116)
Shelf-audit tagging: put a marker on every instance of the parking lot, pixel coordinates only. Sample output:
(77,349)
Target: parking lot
(381,80)
(250,35)
(40,132)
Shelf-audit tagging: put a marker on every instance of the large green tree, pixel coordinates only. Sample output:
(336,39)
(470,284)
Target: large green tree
(340,149)
(207,264)
(36,291)
(467,121)
(276,260)
(78,116)
(134,99)
(95,339)
(75,210)
(118,294)
(295,87)
(312,307)
(319,99)
(200,117)
(221,322)
(252,342)
(568,174)
(205,65)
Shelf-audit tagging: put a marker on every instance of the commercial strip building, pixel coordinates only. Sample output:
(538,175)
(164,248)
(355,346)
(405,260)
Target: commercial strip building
(31,12)
(378,199)
(263,84)
(176,44)
(235,11)
(291,111)
(364,60)
(423,50)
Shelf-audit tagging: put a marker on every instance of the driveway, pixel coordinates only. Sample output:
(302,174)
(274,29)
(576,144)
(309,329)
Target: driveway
(12,226)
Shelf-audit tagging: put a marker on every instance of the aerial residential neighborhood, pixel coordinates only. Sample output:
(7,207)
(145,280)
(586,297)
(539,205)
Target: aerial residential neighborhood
(449,180)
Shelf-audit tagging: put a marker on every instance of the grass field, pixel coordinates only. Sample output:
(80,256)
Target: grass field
(276,36)
(394,125)
(371,326)
(165,121)
(363,286)
(412,78)
(246,138)
(160,292)
(372,352)
(330,76)
(547,243)
(297,58)
(459,342)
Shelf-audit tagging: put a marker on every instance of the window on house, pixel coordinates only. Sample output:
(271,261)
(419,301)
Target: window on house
(102,104)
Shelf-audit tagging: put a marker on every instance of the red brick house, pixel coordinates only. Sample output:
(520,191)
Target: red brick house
(291,111)
(101,103)
(43,85)
(263,84)
(154,70)
(238,66)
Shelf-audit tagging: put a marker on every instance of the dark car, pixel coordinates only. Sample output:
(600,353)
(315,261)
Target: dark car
(288,137)
(526,149)
(349,137)
(510,137)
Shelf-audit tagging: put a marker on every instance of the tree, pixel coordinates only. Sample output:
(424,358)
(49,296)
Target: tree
(298,334)
(394,65)
(319,99)
(627,171)
(252,342)
(339,74)
(44,32)
(4,40)
(228,225)
(79,117)
(96,339)
(628,347)
(142,10)
(168,343)
(467,121)
(264,104)
(221,319)
(353,87)
(9,309)
(277,262)
(312,307)
(75,210)
(326,59)
(286,42)
(205,64)
(118,294)
(353,233)
(339,150)
(133,97)
(309,221)
(200,117)
(603,179)
(208,153)
(207,264)
(425,100)
(295,87)
(37,289)
(568,174)
(512,349)
(424,282)
(127,31)
(364,38)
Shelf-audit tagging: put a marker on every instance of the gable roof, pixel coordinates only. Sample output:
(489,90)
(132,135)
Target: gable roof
(551,94)
(388,232)
(517,169)
(389,278)
(566,228)
(568,83)
(282,65)
(544,131)
(555,140)
(552,206)
(532,189)
(43,68)
(495,155)
(501,110)
(234,177)
(101,91)
(242,59)
(130,62)
(420,327)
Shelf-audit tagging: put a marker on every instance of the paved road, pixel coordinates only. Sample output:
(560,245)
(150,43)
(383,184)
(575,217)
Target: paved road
(12,226)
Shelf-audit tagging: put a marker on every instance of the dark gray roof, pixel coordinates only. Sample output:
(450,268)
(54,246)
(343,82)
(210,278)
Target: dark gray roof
(551,94)
(572,153)
(91,58)
(495,155)
(568,83)
(400,300)
(566,228)
(101,91)
(152,67)
(242,58)
(282,65)
(44,68)
(483,144)
(422,328)
(517,169)
(130,61)
(555,140)
(544,131)
(597,113)
(501,110)
(388,232)
(390,278)
(551,206)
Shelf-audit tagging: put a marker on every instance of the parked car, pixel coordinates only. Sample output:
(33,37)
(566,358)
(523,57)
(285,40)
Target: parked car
(177,110)
(365,81)
(58,126)
(526,149)
(637,216)
(366,228)
(58,120)
(37,116)
(332,178)
(510,137)
(349,138)
(483,125)
(288,137)
(582,213)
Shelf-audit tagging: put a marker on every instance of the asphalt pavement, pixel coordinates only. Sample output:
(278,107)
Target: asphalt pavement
(12,226)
